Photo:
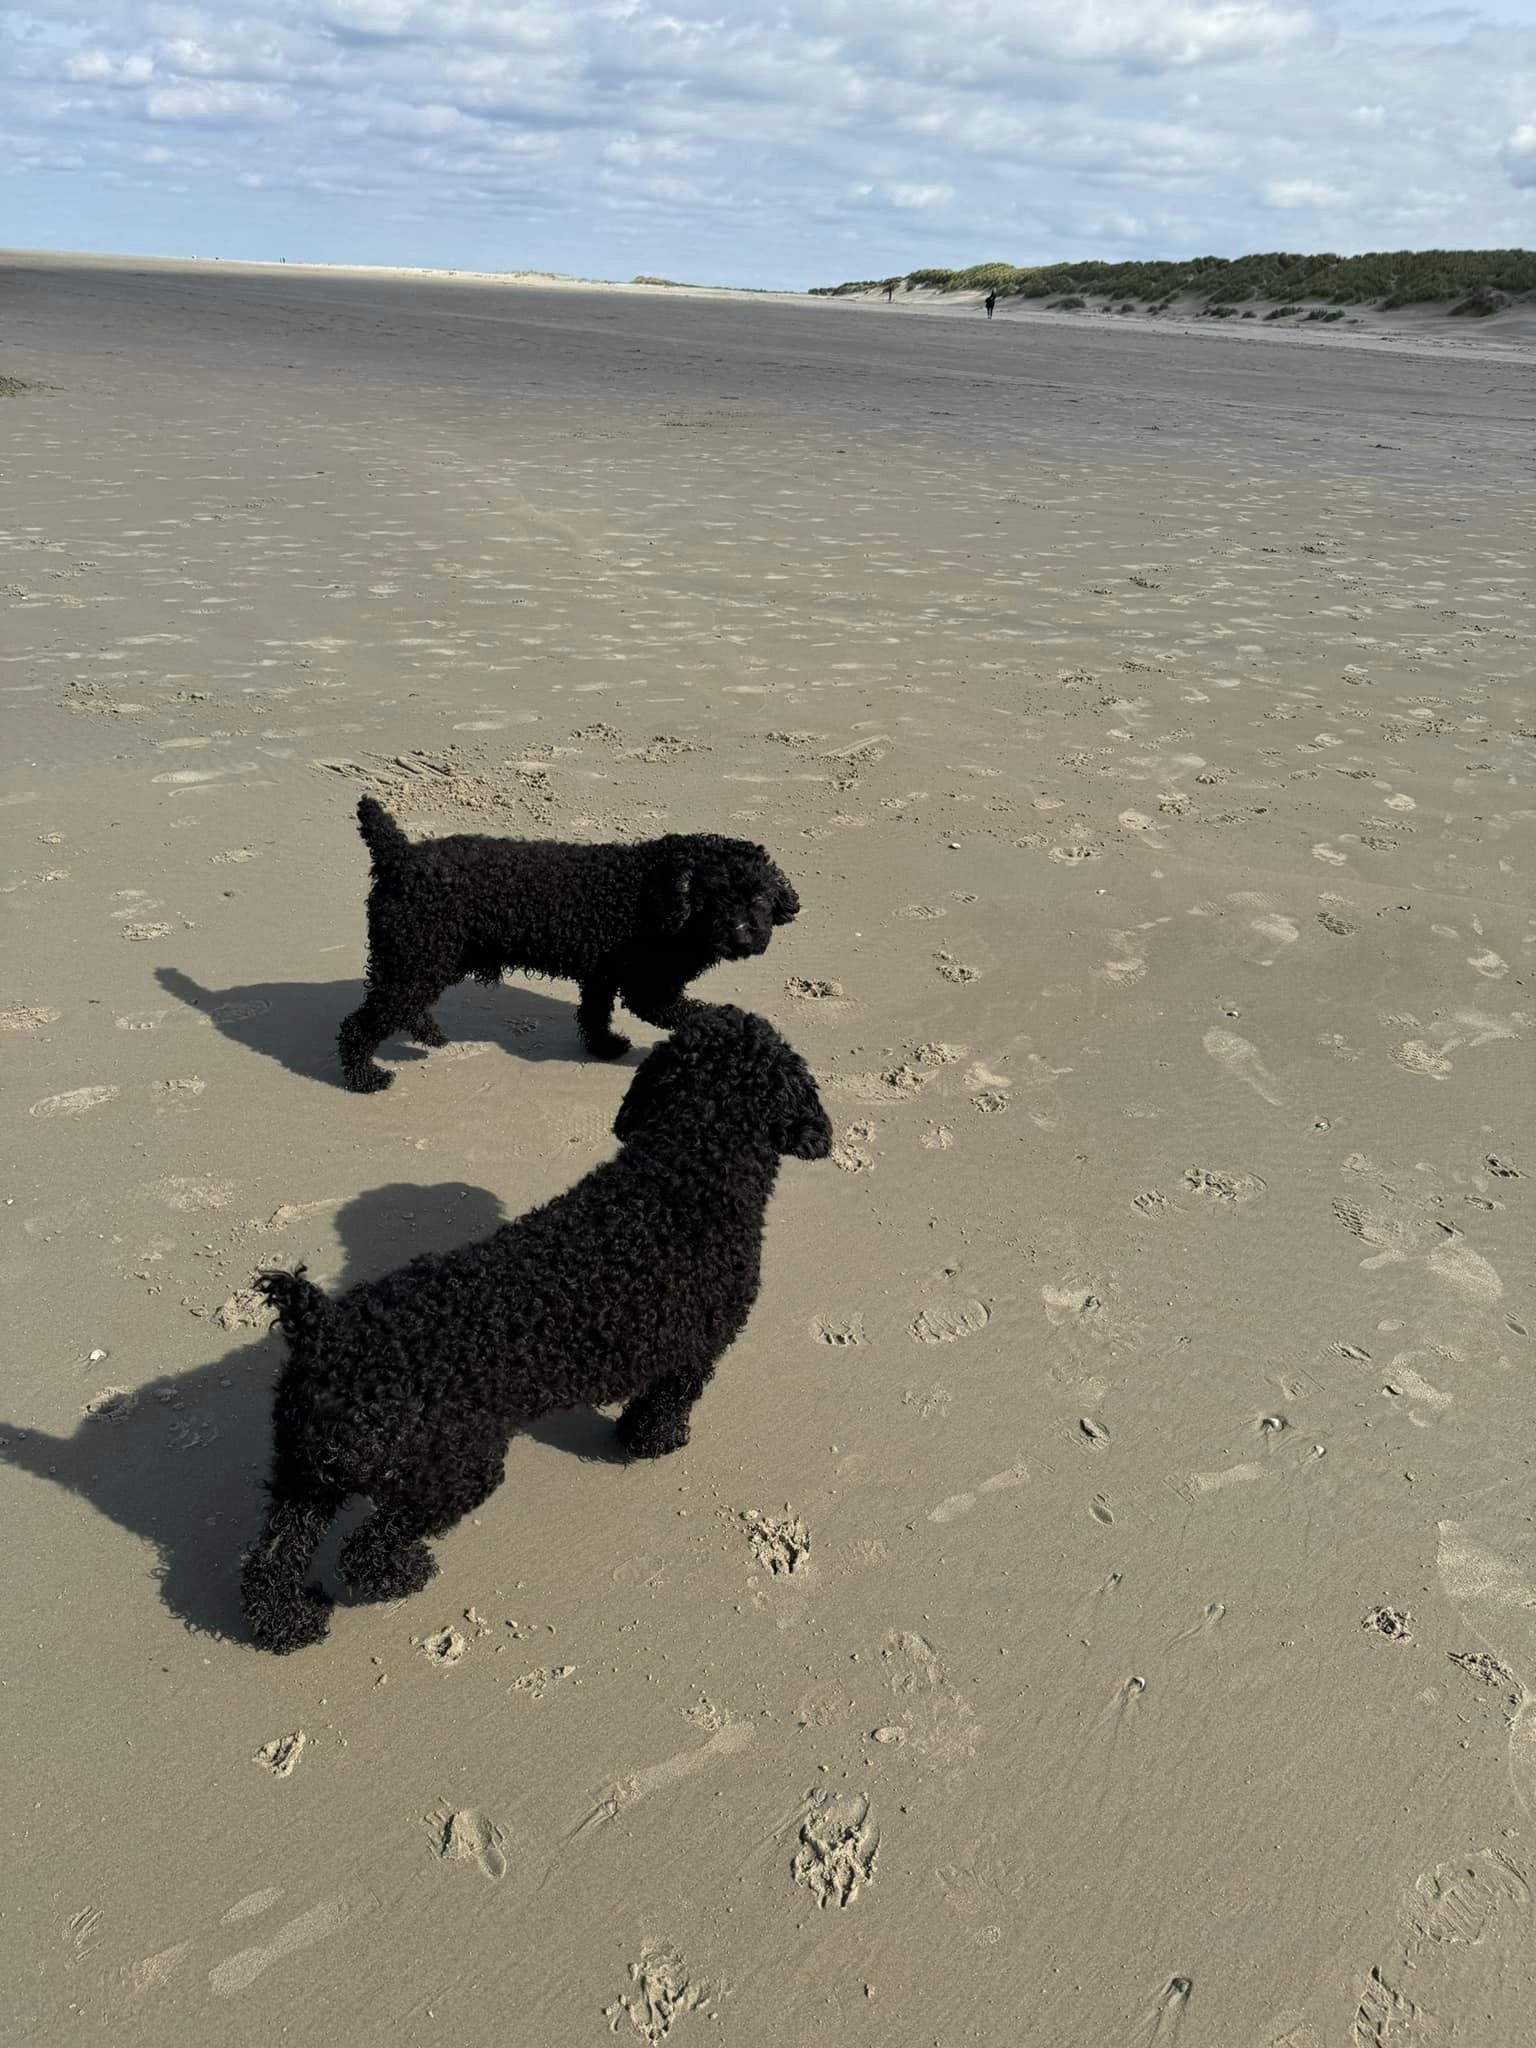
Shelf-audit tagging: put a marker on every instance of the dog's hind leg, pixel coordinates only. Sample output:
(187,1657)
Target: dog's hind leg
(386,1557)
(657,1421)
(594,1017)
(427,1031)
(281,1610)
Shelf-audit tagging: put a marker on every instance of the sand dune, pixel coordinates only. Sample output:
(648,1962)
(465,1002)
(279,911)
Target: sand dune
(1099,1600)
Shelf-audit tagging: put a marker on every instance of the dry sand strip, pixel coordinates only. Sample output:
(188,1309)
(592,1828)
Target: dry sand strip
(1099,1600)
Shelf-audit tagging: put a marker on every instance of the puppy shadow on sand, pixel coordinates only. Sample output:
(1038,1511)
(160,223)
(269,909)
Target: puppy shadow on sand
(295,1022)
(180,1460)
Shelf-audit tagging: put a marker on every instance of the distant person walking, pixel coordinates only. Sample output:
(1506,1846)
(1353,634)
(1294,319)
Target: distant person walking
(890,293)
(990,302)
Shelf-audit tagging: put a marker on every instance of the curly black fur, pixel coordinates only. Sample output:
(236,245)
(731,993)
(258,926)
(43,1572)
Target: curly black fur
(629,1287)
(632,922)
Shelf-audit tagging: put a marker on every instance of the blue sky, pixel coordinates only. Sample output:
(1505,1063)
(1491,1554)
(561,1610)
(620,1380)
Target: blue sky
(764,142)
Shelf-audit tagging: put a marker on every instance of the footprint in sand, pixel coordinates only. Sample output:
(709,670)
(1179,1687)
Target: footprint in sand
(780,1543)
(26,1017)
(74,1103)
(838,1848)
(443,1650)
(1416,1057)
(1496,1598)
(664,1989)
(1121,973)
(237,1012)
(838,1331)
(465,1835)
(1466,1947)
(940,1722)
(1467,1271)
(929,1401)
(1229,1189)
(1195,1486)
(959,1504)
(281,1755)
(1241,1060)
(852,1153)
(945,1322)
(1402,1382)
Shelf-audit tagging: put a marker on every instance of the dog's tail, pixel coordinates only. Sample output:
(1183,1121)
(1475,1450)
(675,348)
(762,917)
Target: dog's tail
(381,835)
(301,1307)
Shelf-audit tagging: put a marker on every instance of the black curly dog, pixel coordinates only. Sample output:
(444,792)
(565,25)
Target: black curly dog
(629,1287)
(637,922)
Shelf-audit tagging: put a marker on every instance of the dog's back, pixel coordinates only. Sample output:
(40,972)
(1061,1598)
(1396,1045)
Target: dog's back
(545,904)
(576,1304)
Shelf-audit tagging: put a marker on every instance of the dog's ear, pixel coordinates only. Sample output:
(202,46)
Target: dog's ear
(672,893)
(804,1131)
(786,904)
(653,1083)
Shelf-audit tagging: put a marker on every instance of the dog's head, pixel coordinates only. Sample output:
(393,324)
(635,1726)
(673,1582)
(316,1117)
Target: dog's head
(725,1068)
(726,895)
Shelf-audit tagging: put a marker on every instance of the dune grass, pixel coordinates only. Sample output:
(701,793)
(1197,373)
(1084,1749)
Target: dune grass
(1474,282)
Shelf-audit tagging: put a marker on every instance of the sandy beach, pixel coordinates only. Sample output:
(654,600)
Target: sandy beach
(1098,1603)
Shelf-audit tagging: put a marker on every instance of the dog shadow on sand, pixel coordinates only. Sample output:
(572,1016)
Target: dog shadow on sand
(180,1460)
(295,1022)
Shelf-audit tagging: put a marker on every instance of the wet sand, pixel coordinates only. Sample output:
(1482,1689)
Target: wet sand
(1099,1600)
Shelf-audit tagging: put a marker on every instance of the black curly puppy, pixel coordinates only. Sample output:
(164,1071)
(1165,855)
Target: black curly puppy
(637,922)
(629,1287)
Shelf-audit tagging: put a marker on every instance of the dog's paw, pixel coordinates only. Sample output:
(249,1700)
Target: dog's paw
(612,1045)
(375,1574)
(430,1033)
(370,1080)
(283,1623)
(650,1439)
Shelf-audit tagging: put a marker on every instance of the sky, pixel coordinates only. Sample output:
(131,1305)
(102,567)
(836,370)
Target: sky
(771,143)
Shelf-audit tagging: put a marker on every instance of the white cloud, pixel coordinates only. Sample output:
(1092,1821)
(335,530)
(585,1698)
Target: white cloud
(1520,154)
(774,140)
(221,102)
(1287,194)
(920,198)
(96,67)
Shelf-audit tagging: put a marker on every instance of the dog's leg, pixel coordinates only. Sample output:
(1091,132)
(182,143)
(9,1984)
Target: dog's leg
(594,1017)
(384,1011)
(282,1612)
(386,1557)
(427,1031)
(656,1421)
